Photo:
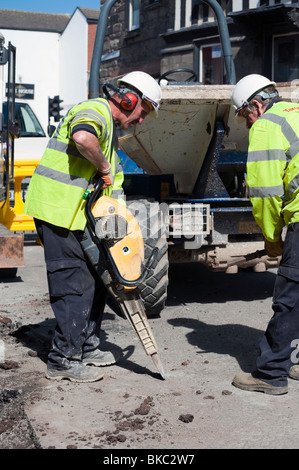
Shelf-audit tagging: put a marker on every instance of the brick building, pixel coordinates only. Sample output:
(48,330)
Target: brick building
(54,51)
(159,35)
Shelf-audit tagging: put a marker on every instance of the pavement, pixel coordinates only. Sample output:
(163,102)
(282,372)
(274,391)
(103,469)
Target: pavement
(208,332)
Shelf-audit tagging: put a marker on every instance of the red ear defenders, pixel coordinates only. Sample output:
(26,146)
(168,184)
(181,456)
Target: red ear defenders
(129,99)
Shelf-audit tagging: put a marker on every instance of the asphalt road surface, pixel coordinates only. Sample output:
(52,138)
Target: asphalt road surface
(209,331)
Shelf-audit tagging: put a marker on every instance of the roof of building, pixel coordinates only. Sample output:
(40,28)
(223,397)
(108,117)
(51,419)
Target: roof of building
(35,21)
(90,13)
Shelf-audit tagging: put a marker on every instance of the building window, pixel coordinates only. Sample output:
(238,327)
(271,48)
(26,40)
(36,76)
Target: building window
(285,58)
(200,12)
(211,64)
(134,14)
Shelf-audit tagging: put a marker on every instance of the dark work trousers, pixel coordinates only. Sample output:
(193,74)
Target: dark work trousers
(277,348)
(77,295)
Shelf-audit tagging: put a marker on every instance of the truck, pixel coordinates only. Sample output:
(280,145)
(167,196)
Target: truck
(20,134)
(192,162)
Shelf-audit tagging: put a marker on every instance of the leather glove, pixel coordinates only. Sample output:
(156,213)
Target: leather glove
(274,249)
(106,175)
(107,181)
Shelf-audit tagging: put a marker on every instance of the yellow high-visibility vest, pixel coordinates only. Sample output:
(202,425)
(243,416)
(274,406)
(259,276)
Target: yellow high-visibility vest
(56,189)
(273,168)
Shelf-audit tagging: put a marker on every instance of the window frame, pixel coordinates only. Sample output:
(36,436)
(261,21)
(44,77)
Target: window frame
(134,10)
(277,36)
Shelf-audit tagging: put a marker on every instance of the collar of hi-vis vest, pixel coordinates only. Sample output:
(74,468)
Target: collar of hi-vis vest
(272,103)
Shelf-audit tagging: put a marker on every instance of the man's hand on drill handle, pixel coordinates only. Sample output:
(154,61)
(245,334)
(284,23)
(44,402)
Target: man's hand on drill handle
(107,181)
(105,175)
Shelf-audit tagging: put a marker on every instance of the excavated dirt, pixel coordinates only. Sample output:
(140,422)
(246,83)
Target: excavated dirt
(209,330)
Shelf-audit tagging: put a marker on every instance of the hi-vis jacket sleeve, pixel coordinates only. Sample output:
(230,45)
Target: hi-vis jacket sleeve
(116,189)
(265,170)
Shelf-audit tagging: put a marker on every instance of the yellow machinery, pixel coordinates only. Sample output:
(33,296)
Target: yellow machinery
(11,216)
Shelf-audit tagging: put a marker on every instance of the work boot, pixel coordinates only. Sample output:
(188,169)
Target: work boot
(246,381)
(294,372)
(77,372)
(100,358)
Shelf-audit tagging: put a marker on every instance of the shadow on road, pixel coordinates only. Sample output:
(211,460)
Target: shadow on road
(193,282)
(238,341)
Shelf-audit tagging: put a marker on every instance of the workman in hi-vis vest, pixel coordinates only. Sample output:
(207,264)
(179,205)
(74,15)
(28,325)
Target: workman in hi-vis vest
(83,148)
(273,187)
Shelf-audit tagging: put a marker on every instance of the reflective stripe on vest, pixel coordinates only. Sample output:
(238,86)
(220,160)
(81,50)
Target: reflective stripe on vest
(61,177)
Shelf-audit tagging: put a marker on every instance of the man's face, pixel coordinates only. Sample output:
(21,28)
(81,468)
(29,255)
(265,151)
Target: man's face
(137,116)
(252,113)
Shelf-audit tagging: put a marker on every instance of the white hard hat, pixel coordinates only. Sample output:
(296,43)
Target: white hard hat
(147,86)
(247,88)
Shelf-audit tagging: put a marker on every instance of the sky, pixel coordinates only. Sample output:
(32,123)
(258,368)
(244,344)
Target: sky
(54,6)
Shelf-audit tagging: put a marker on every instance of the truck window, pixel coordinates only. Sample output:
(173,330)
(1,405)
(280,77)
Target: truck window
(26,120)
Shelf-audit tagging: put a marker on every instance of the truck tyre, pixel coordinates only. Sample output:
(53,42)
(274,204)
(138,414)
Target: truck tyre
(153,290)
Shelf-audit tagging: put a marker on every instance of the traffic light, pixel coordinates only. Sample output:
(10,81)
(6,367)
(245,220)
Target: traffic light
(55,108)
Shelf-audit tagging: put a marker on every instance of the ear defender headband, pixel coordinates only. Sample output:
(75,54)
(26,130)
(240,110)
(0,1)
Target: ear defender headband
(264,95)
(129,99)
